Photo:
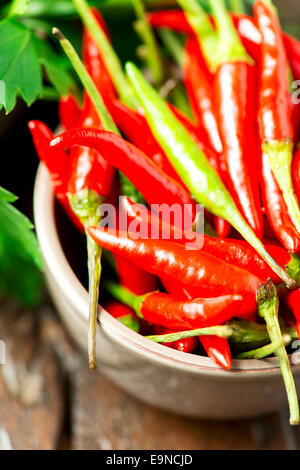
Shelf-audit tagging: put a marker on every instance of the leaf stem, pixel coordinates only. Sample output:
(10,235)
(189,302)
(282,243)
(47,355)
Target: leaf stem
(202,25)
(230,46)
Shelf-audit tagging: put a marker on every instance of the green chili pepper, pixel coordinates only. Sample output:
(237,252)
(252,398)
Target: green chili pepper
(193,166)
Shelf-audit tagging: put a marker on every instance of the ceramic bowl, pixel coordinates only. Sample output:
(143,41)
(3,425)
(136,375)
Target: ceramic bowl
(177,382)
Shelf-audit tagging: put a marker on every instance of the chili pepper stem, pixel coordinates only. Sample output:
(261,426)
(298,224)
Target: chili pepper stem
(85,205)
(280,155)
(248,335)
(110,58)
(237,6)
(201,24)
(265,351)
(123,294)
(230,46)
(153,56)
(223,331)
(94,268)
(268,309)
(86,81)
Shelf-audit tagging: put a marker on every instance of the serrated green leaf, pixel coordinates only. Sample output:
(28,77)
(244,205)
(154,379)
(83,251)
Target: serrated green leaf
(19,66)
(55,67)
(19,229)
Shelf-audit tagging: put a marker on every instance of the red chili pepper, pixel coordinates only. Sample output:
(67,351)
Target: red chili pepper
(293,301)
(235,98)
(292,47)
(216,348)
(56,163)
(90,180)
(162,309)
(123,313)
(198,83)
(296,175)
(135,128)
(173,19)
(68,111)
(187,345)
(153,184)
(133,278)
(206,273)
(275,123)
(236,252)
(274,111)
(88,168)
(276,210)
(93,60)
(296,120)
(245,25)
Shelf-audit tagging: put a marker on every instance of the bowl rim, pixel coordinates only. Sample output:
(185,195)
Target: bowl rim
(58,265)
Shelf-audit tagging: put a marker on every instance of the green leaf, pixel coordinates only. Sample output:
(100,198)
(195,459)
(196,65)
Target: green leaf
(19,278)
(18,7)
(18,228)
(55,66)
(19,66)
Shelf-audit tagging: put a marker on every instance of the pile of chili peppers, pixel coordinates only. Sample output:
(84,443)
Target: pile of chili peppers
(218,128)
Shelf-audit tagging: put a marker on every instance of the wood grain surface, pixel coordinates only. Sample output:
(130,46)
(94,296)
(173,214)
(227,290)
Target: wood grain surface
(50,400)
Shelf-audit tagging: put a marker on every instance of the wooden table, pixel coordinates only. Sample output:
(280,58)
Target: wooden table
(49,400)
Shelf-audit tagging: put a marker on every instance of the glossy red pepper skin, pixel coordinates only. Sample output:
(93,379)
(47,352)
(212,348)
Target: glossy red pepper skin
(292,47)
(164,310)
(274,108)
(296,174)
(293,301)
(119,310)
(153,184)
(56,163)
(276,210)
(88,169)
(68,111)
(235,95)
(236,252)
(93,60)
(135,128)
(216,348)
(187,345)
(133,278)
(198,83)
(198,269)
